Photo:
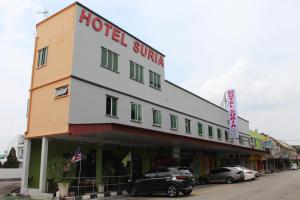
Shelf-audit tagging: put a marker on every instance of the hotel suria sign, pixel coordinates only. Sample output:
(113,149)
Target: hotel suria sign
(232,111)
(119,36)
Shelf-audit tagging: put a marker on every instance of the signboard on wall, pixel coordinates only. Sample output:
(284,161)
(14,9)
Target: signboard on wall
(232,113)
(268,144)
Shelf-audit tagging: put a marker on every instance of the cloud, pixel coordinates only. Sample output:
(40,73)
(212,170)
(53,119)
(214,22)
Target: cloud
(16,52)
(267,97)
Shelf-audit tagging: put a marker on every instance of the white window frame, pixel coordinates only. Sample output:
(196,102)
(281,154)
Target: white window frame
(187,126)
(111,106)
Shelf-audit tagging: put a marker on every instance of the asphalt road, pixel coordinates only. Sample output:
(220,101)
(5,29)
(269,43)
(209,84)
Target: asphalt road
(277,186)
(7,186)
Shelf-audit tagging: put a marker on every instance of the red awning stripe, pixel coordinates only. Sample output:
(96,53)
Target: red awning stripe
(89,129)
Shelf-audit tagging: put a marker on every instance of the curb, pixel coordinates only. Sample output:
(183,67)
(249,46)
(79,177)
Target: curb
(100,195)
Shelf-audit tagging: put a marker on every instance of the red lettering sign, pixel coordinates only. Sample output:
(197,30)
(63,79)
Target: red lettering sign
(119,36)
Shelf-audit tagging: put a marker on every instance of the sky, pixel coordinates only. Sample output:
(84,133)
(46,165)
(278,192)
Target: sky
(210,46)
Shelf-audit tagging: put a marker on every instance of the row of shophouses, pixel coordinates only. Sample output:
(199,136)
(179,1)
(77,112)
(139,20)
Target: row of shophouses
(98,87)
(279,155)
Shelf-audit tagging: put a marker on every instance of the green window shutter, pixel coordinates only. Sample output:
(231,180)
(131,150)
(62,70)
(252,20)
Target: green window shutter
(139,113)
(137,72)
(131,69)
(200,129)
(142,73)
(115,62)
(45,55)
(154,116)
(159,117)
(104,57)
(108,105)
(114,107)
(133,111)
(151,78)
(109,63)
(39,57)
(158,81)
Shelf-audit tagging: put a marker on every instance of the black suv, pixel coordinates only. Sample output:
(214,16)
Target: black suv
(162,179)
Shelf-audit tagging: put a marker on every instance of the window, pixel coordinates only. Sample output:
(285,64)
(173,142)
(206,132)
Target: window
(226,136)
(61,91)
(200,129)
(154,79)
(42,56)
(174,121)
(136,71)
(187,126)
(156,117)
(241,140)
(210,131)
(219,134)
(111,106)
(109,59)
(136,112)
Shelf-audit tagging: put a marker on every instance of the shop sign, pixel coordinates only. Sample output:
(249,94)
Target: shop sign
(268,144)
(61,91)
(232,112)
(119,36)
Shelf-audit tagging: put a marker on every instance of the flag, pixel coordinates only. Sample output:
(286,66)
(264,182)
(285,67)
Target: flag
(77,156)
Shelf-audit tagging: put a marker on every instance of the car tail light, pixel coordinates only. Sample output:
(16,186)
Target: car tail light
(181,177)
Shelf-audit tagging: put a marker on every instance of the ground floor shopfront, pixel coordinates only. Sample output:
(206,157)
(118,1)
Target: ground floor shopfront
(113,154)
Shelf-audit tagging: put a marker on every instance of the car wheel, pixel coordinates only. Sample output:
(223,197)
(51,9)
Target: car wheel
(172,191)
(186,192)
(133,191)
(229,180)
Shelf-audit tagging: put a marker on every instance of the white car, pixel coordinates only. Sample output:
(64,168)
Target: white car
(294,166)
(248,173)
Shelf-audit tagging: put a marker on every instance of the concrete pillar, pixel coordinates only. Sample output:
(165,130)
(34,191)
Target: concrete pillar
(99,156)
(43,167)
(25,168)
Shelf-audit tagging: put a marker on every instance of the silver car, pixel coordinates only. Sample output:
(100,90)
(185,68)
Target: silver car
(225,174)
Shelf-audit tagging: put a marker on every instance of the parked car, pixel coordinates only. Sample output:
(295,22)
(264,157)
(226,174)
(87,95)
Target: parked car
(256,174)
(248,173)
(225,174)
(162,179)
(186,171)
(294,166)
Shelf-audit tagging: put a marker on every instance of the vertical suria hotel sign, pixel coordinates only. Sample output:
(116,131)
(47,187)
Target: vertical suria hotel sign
(232,111)
(119,36)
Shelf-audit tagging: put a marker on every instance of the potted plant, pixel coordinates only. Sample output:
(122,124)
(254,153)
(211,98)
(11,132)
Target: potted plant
(59,170)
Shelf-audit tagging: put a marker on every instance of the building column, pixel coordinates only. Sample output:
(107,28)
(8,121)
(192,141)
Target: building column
(99,156)
(43,167)
(25,168)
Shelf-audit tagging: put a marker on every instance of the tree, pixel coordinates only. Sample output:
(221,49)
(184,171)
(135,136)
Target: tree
(12,160)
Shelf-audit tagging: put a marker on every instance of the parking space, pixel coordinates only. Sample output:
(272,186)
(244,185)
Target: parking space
(275,186)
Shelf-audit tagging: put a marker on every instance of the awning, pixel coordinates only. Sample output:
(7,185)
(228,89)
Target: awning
(133,136)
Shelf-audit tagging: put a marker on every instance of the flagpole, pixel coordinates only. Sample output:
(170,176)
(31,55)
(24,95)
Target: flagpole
(79,177)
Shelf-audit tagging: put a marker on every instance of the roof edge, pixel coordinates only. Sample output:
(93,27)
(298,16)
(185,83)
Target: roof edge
(201,98)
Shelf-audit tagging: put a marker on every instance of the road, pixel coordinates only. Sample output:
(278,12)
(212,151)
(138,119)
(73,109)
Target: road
(7,186)
(277,186)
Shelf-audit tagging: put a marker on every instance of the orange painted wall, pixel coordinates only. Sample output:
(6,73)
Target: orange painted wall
(57,33)
(48,115)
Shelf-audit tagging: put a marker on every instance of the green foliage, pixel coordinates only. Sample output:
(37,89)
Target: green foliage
(12,160)
(60,170)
